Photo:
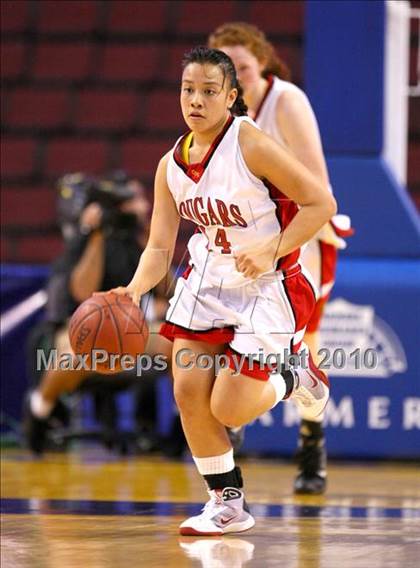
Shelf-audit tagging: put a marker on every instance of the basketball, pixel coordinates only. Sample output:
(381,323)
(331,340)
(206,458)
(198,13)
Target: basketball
(109,331)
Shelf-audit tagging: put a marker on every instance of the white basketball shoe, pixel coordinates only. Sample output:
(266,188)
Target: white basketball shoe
(311,392)
(225,512)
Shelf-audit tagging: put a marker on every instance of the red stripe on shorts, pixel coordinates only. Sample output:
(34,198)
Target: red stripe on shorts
(256,372)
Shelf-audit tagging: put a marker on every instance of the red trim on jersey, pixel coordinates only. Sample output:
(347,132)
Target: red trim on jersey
(195,171)
(301,298)
(270,80)
(258,373)
(286,209)
(213,336)
(187,272)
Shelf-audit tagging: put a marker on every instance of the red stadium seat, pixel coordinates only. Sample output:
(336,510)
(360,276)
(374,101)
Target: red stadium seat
(202,17)
(67,15)
(129,62)
(145,16)
(413,171)
(292,56)
(164,111)
(173,57)
(38,248)
(28,207)
(7,249)
(284,17)
(41,108)
(414,115)
(12,59)
(14,15)
(102,109)
(140,157)
(17,157)
(414,62)
(62,61)
(76,154)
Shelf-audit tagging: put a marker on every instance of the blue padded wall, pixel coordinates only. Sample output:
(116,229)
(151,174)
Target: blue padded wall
(344,73)
(344,69)
(385,220)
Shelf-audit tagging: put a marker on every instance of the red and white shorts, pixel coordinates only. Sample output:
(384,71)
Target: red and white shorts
(320,259)
(265,317)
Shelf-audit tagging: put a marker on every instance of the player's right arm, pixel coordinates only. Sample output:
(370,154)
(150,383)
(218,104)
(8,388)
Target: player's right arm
(157,257)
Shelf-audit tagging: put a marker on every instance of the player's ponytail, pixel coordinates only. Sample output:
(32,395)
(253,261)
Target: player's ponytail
(239,107)
(202,55)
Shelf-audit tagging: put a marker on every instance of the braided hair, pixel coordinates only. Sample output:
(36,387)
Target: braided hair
(202,55)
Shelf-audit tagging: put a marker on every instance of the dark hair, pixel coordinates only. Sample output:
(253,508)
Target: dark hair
(202,55)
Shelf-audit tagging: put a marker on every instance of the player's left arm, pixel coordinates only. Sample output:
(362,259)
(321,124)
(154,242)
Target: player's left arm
(266,159)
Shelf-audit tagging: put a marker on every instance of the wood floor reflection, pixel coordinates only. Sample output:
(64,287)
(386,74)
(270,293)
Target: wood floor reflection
(93,510)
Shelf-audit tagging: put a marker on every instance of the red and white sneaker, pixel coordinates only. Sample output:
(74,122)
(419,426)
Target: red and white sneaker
(311,392)
(225,512)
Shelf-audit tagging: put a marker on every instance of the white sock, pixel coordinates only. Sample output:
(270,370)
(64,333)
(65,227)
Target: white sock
(279,385)
(39,406)
(215,464)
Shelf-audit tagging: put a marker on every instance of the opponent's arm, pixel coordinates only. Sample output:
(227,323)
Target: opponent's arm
(157,256)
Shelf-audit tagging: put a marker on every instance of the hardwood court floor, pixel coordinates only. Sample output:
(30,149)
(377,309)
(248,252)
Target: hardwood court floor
(89,509)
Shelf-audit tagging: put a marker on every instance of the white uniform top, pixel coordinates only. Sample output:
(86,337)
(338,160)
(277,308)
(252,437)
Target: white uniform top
(233,209)
(266,119)
(266,114)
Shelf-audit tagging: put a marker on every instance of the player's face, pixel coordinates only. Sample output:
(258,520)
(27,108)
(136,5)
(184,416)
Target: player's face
(248,68)
(206,96)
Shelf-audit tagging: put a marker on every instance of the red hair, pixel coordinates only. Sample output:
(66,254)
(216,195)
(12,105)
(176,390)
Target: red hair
(241,33)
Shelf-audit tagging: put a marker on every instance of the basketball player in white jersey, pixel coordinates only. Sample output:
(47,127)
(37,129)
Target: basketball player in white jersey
(283,111)
(244,296)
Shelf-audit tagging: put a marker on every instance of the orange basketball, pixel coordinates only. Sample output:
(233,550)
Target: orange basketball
(109,331)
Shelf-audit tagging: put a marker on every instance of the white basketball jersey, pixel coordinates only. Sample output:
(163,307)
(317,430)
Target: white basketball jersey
(265,116)
(266,119)
(233,209)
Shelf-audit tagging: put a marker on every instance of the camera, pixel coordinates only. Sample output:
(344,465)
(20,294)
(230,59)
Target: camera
(77,190)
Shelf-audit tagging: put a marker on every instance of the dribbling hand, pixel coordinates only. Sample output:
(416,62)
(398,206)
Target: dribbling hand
(124,291)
